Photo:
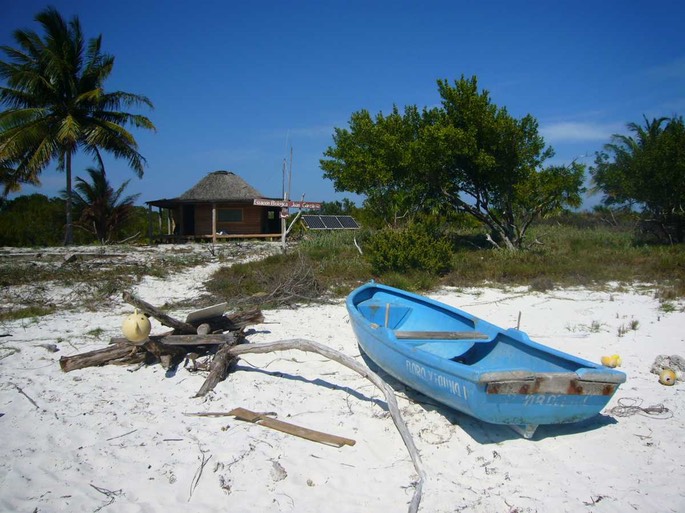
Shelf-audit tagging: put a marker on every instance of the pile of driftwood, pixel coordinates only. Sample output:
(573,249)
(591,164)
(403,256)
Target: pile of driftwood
(211,332)
(206,332)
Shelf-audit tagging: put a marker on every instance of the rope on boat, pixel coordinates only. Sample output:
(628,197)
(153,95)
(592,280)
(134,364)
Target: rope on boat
(629,406)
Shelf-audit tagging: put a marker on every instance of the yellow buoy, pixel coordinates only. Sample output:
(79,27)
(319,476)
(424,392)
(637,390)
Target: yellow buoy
(667,377)
(611,361)
(136,327)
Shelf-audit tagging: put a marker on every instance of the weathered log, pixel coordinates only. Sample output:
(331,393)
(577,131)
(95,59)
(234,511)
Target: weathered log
(218,370)
(236,321)
(168,355)
(231,322)
(187,340)
(168,349)
(152,311)
(121,353)
(314,347)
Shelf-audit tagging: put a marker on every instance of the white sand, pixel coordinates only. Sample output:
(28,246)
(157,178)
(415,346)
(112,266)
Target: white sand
(114,439)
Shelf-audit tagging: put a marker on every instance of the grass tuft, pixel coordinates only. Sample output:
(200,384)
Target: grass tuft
(26,312)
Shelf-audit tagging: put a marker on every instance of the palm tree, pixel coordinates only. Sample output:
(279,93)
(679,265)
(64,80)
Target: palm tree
(626,180)
(57,106)
(103,211)
(646,170)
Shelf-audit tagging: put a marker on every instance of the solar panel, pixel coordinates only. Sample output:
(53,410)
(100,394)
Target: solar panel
(348,222)
(314,222)
(331,222)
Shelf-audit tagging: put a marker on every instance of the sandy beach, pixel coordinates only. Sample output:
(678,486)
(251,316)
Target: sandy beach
(120,439)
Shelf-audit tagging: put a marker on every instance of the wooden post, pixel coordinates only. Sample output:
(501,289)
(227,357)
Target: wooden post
(283,230)
(213,223)
(149,223)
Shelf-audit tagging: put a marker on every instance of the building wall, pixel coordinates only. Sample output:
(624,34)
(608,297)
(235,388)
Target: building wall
(252,219)
(191,219)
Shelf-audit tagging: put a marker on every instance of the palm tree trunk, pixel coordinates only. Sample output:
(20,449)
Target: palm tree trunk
(68,233)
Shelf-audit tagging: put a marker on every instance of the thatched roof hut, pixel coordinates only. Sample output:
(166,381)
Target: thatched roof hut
(219,205)
(220,186)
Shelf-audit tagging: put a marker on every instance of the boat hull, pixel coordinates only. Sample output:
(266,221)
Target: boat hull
(496,375)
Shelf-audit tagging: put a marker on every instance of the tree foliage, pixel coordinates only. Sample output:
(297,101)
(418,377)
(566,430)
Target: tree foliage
(57,105)
(103,211)
(337,207)
(36,220)
(467,155)
(647,170)
(33,220)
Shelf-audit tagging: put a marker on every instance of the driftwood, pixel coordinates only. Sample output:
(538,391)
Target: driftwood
(203,335)
(235,321)
(393,408)
(291,429)
(217,324)
(122,353)
(218,369)
(126,353)
(268,420)
(186,340)
(169,356)
(164,319)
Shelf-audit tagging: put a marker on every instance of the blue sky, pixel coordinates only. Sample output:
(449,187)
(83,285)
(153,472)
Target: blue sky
(236,84)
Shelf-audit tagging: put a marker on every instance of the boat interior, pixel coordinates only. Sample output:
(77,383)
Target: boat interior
(462,339)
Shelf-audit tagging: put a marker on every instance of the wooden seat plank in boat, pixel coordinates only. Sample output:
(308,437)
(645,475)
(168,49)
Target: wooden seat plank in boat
(441,335)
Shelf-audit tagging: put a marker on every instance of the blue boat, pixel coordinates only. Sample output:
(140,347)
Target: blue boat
(495,375)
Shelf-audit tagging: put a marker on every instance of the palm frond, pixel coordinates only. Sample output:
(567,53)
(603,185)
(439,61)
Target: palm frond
(56,104)
(119,99)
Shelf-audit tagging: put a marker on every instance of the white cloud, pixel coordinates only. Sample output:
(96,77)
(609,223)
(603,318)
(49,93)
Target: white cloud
(568,131)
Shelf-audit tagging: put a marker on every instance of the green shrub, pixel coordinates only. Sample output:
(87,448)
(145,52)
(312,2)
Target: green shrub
(413,281)
(417,247)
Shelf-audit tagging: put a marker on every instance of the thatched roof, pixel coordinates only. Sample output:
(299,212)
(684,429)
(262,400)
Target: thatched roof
(220,186)
(216,187)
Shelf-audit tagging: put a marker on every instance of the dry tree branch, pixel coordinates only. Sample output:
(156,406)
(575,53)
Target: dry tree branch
(163,318)
(356,245)
(198,472)
(314,347)
(298,284)
(110,494)
(21,391)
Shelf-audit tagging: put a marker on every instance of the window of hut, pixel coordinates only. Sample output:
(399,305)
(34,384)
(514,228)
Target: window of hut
(230,215)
